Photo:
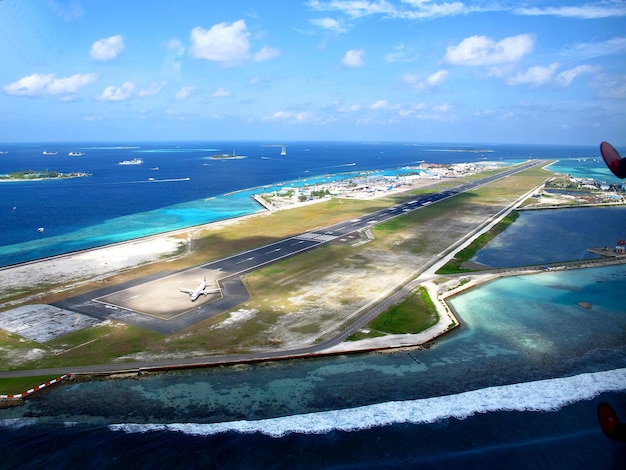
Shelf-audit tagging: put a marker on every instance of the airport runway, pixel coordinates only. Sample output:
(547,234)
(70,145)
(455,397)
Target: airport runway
(157,304)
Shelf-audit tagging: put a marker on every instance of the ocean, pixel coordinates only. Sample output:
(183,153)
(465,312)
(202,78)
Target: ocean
(516,386)
(180,186)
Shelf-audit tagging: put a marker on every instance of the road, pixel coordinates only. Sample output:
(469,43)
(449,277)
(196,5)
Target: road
(245,262)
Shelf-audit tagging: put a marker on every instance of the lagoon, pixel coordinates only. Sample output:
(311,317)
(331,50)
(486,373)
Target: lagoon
(555,235)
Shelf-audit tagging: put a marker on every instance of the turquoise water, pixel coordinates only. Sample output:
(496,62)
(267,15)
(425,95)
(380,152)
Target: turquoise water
(553,235)
(180,186)
(541,313)
(515,387)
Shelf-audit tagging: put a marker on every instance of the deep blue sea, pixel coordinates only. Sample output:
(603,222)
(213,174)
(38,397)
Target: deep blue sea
(179,186)
(515,387)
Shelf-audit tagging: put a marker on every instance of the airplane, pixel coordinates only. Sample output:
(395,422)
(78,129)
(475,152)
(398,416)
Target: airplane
(200,290)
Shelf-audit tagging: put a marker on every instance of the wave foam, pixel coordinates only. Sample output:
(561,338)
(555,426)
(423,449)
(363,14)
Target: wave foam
(16,423)
(542,395)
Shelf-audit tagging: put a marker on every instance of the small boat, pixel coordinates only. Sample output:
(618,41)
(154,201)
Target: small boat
(76,154)
(134,161)
(49,152)
(3,152)
(40,229)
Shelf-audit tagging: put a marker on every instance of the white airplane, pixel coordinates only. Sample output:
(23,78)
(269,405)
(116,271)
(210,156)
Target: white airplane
(200,290)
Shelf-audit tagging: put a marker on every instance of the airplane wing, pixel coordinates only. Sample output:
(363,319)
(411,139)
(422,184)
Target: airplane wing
(208,291)
(186,291)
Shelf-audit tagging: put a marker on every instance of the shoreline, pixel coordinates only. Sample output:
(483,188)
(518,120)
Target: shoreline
(367,345)
(256,196)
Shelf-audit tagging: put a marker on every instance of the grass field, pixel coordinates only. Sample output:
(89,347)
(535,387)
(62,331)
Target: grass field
(297,301)
(414,315)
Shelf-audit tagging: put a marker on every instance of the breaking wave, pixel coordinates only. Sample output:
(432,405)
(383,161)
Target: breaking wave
(543,396)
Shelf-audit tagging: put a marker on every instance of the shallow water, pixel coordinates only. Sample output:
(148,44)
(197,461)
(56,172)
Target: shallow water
(515,387)
(553,235)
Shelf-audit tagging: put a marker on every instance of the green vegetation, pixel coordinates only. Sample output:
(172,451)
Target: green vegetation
(37,175)
(16,385)
(280,293)
(414,315)
(455,264)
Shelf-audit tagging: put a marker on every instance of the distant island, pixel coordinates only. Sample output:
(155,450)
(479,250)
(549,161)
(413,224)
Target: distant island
(32,175)
(226,156)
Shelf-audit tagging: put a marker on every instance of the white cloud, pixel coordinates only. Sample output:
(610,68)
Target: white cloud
(291,117)
(425,9)
(38,84)
(536,75)
(347,109)
(107,48)
(175,45)
(539,75)
(224,42)
(121,93)
(442,108)
(129,90)
(432,81)
(437,78)
(401,54)
(221,92)
(380,104)
(612,87)
(566,77)
(329,24)
(266,53)
(354,8)
(405,9)
(602,9)
(153,89)
(591,50)
(184,92)
(481,50)
(353,58)
(485,113)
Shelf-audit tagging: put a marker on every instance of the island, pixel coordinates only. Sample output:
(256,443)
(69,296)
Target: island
(33,175)
(286,304)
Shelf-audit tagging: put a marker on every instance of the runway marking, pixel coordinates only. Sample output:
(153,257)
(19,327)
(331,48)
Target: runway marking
(313,236)
(244,260)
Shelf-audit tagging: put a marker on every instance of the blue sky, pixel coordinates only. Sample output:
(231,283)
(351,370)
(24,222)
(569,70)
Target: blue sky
(358,70)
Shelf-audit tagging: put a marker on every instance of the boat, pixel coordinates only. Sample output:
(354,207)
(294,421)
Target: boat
(134,161)
(3,152)
(283,151)
(76,154)
(49,152)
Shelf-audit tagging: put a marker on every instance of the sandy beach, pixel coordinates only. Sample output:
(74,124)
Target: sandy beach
(100,263)
(89,265)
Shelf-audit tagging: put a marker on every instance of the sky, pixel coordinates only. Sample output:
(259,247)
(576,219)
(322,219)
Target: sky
(492,71)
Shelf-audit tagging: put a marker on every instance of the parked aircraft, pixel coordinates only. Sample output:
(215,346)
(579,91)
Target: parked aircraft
(200,290)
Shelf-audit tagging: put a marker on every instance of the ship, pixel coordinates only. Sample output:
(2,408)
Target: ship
(226,156)
(49,152)
(76,154)
(134,161)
